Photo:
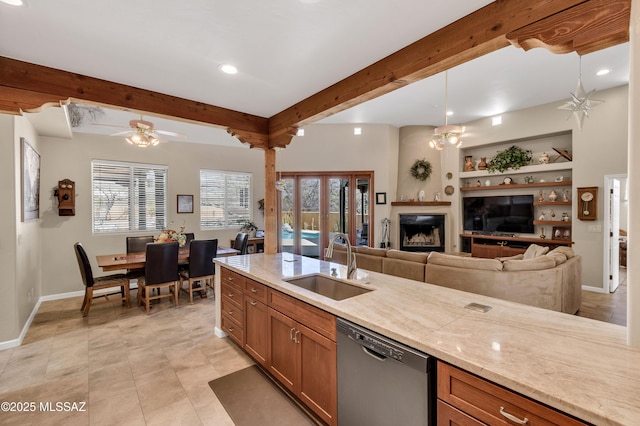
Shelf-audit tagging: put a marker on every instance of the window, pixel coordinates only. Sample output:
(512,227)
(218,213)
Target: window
(128,196)
(224,199)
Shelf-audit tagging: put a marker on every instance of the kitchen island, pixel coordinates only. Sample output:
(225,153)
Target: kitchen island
(579,366)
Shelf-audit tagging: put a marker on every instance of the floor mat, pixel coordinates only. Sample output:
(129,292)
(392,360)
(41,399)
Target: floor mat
(251,398)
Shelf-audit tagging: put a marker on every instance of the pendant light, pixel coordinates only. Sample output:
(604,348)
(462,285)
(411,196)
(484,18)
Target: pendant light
(580,102)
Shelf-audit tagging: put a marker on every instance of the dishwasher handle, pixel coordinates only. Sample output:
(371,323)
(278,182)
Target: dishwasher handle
(373,354)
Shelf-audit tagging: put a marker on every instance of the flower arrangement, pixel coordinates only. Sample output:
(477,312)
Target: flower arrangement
(169,235)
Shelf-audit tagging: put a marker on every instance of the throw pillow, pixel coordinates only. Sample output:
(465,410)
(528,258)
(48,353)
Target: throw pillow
(534,250)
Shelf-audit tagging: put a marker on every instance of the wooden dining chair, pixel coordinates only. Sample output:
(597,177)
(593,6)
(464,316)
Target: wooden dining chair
(161,271)
(201,267)
(91,283)
(241,242)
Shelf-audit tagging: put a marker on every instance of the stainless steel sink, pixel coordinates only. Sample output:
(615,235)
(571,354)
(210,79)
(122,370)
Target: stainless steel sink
(327,286)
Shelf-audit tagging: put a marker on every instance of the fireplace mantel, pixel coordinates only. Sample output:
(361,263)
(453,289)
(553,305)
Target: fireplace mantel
(421,203)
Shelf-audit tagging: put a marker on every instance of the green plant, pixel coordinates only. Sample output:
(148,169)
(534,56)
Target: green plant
(249,226)
(511,158)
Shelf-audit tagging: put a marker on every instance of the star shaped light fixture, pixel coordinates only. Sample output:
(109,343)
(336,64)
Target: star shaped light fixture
(580,102)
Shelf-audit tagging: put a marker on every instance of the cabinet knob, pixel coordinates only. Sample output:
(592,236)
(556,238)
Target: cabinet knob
(253,303)
(254,290)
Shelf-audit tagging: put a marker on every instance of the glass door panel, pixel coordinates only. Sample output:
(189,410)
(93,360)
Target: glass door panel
(287,215)
(362,211)
(309,225)
(338,200)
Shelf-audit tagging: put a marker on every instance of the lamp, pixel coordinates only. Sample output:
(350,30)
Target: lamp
(141,139)
(581,101)
(443,134)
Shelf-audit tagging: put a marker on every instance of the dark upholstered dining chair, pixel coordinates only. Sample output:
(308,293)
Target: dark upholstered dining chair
(138,244)
(241,242)
(161,270)
(200,268)
(189,236)
(91,283)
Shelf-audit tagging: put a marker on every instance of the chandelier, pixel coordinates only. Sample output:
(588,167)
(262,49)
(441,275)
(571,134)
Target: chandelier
(446,134)
(142,139)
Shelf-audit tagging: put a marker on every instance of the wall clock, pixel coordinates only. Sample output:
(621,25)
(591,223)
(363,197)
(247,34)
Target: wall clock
(588,199)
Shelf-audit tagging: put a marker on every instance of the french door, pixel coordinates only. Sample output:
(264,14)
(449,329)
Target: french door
(313,206)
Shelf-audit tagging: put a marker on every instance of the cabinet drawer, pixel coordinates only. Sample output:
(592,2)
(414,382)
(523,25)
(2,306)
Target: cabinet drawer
(232,279)
(449,416)
(316,319)
(233,330)
(232,294)
(232,310)
(255,290)
(493,404)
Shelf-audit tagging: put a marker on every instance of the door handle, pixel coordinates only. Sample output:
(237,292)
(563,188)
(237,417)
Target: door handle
(374,354)
(295,336)
(253,303)
(253,290)
(291,334)
(513,418)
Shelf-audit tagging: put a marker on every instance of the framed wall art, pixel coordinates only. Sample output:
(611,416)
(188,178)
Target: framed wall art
(30,182)
(381,198)
(185,203)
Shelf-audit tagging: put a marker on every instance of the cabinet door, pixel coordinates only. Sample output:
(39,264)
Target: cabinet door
(282,349)
(511,251)
(317,386)
(256,329)
(449,416)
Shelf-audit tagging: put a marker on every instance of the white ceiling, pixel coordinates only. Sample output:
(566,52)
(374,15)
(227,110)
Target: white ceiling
(286,50)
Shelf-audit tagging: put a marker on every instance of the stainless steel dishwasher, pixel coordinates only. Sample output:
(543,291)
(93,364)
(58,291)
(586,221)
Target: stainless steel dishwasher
(380,381)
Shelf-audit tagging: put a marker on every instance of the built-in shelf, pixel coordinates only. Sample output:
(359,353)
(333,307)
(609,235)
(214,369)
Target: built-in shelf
(421,203)
(552,223)
(552,203)
(552,167)
(517,185)
(540,241)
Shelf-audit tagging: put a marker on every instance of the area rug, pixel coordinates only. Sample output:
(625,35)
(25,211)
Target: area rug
(251,399)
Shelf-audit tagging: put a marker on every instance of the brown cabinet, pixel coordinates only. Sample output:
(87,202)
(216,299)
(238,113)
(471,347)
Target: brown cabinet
(295,341)
(492,250)
(303,353)
(467,399)
(232,305)
(256,323)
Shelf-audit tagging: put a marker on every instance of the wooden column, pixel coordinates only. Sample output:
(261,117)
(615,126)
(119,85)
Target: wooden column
(270,202)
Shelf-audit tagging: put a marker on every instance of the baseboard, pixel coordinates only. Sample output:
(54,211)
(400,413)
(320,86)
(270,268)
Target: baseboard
(594,289)
(219,333)
(17,342)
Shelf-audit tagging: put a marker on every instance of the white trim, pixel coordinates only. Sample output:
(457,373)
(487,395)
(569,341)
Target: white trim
(219,333)
(594,289)
(8,344)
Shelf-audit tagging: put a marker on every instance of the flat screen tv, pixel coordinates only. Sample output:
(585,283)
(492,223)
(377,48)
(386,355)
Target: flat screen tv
(504,213)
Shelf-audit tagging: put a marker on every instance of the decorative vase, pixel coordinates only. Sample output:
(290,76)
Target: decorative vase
(553,195)
(482,165)
(421,195)
(468,164)
(544,158)
(542,235)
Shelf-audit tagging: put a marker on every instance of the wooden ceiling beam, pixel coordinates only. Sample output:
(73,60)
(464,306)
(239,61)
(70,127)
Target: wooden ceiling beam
(26,87)
(474,35)
(585,28)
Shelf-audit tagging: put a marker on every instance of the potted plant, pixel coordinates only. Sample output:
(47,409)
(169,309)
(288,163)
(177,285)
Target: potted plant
(250,227)
(511,158)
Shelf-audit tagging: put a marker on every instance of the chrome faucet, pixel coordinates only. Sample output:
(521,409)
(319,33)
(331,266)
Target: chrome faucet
(351,257)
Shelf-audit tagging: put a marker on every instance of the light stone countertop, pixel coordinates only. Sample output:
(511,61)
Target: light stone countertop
(580,366)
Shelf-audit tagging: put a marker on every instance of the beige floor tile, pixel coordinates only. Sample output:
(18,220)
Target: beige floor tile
(179,412)
(109,381)
(159,389)
(122,409)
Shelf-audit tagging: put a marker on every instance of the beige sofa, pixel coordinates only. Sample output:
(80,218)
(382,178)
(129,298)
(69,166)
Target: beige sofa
(546,280)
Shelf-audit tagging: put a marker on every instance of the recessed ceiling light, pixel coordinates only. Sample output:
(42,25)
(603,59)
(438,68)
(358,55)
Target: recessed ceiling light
(228,69)
(496,120)
(357,130)
(449,112)
(13,2)
(603,71)
(300,132)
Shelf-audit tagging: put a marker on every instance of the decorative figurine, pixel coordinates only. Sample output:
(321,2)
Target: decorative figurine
(565,217)
(553,195)
(540,195)
(565,195)
(436,197)
(542,216)
(421,195)
(478,183)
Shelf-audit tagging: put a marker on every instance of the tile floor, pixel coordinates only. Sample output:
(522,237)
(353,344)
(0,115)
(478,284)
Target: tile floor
(136,369)
(128,367)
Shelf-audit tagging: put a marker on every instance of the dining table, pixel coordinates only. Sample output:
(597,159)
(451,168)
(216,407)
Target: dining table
(118,261)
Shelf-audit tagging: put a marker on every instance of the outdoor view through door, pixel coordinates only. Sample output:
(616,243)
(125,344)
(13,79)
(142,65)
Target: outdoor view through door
(314,206)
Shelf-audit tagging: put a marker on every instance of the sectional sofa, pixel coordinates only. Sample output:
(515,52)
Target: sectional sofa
(547,280)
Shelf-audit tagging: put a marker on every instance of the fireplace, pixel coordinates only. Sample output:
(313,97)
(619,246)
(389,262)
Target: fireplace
(422,232)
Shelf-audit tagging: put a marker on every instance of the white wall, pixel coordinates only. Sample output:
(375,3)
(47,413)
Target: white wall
(329,147)
(70,159)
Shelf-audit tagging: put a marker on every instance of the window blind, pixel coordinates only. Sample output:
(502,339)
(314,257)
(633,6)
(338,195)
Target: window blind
(128,196)
(225,199)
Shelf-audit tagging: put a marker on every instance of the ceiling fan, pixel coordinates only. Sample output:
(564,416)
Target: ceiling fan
(144,134)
